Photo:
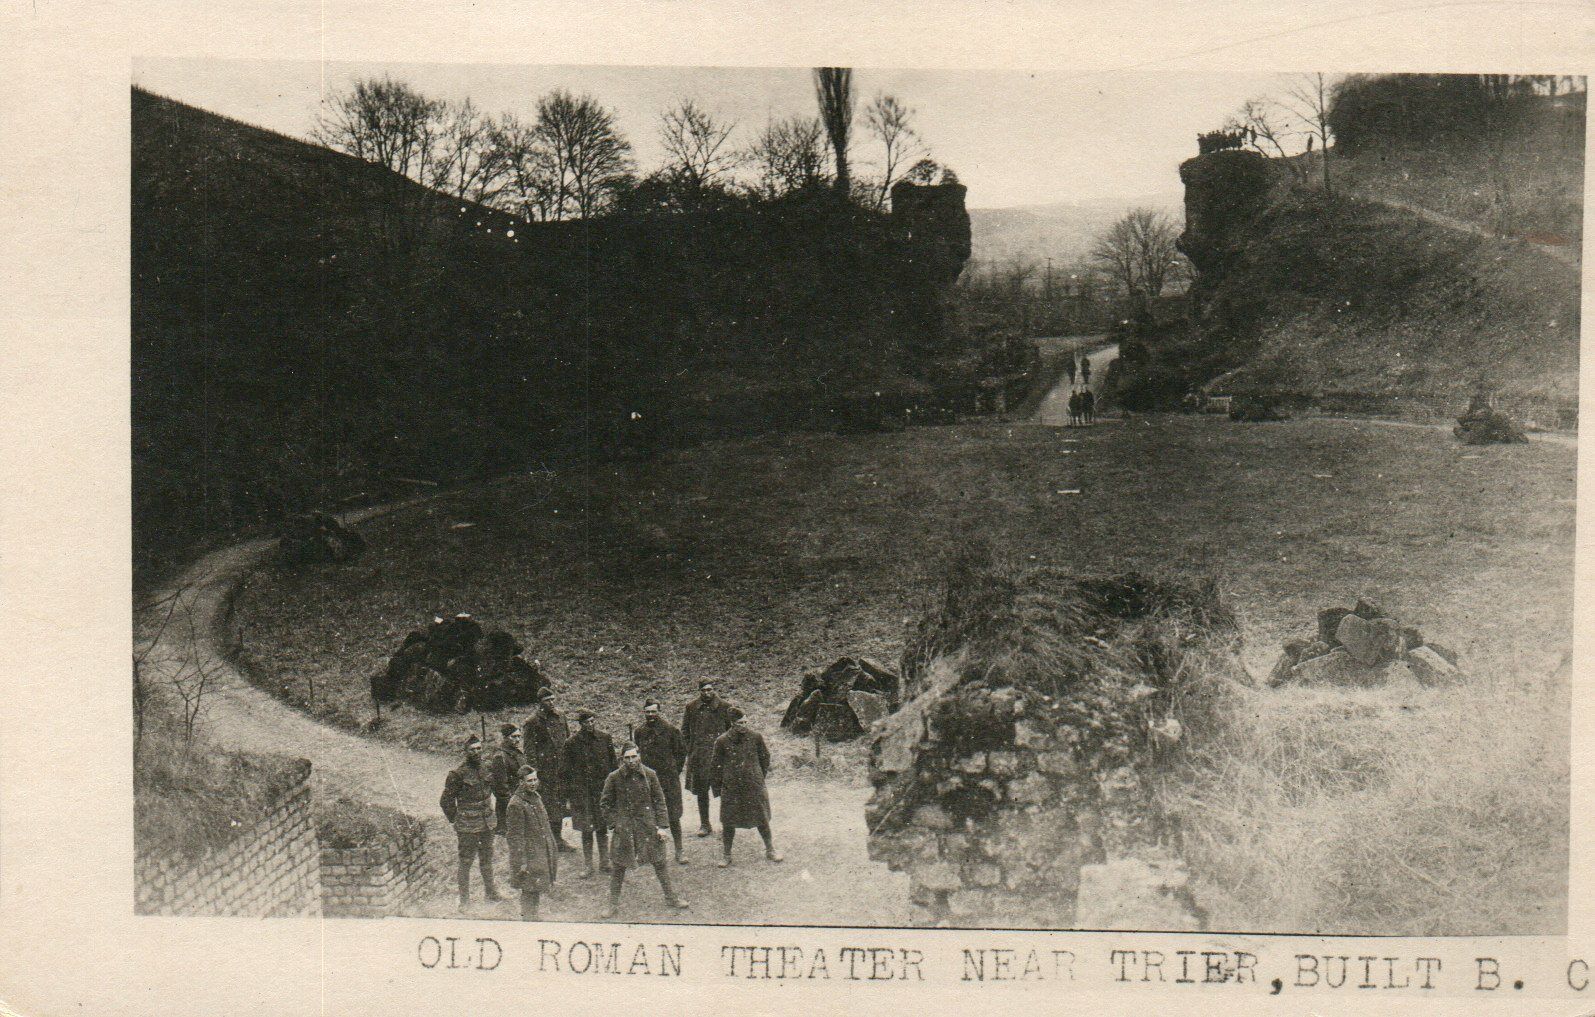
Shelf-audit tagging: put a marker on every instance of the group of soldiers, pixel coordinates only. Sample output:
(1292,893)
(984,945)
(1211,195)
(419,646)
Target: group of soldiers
(1082,407)
(524,787)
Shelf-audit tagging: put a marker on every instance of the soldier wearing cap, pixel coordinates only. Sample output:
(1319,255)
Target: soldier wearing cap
(544,735)
(467,803)
(705,719)
(534,860)
(664,752)
(633,804)
(504,764)
(587,761)
(741,761)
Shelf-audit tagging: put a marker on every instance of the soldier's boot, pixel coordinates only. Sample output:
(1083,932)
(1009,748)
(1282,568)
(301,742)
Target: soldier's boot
(617,878)
(675,836)
(488,884)
(670,892)
(703,817)
(726,836)
(587,856)
(603,852)
(769,845)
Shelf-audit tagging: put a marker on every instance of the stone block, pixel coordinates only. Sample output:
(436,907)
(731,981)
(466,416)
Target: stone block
(1337,668)
(974,765)
(1057,763)
(1430,668)
(1135,893)
(938,876)
(1371,642)
(1033,788)
(967,903)
(1002,763)
(931,816)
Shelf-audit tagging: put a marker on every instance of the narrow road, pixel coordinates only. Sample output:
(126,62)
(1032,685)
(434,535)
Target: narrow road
(827,878)
(1054,408)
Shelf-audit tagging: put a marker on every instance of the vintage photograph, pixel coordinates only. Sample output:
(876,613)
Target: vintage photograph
(848,496)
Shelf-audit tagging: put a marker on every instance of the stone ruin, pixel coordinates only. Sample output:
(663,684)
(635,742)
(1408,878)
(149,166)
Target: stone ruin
(456,666)
(317,538)
(1016,786)
(1363,645)
(843,701)
(1483,424)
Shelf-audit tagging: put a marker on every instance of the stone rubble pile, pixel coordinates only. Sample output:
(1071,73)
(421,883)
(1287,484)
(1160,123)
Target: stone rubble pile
(1363,645)
(843,701)
(456,666)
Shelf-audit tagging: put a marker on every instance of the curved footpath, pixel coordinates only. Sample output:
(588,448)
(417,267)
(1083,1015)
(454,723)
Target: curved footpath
(827,878)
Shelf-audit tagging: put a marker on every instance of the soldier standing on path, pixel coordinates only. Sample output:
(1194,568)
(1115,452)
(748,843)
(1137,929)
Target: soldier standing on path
(534,860)
(1085,370)
(544,735)
(741,761)
(633,805)
(468,804)
(664,752)
(706,718)
(504,765)
(587,761)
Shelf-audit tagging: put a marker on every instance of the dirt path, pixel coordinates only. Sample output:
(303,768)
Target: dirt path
(819,818)
(1564,255)
(1053,411)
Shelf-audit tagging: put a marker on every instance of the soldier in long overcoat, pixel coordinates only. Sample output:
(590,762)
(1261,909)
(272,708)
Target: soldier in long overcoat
(664,752)
(467,804)
(534,860)
(587,761)
(705,719)
(504,764)
(544,736)
(741,761)
(634,808)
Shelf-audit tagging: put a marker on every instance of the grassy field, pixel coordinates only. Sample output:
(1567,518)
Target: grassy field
(753,561)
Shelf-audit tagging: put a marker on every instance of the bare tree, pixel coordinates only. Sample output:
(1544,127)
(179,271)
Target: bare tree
(466,165)
(386,122)
(589,158)
(697,146)
(789,155)
(1308,100)
(175,669)
(833,88)
(529,186)
(1265,130)
(1138,253)
(891,123)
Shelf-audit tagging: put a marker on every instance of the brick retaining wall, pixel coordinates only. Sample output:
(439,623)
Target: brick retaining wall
(383,879)
(272,868)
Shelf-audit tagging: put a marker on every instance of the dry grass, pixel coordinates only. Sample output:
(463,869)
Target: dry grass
(1395,811)
(755,560)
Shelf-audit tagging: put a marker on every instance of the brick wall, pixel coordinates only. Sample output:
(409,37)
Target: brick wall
(386,878)
(272,868)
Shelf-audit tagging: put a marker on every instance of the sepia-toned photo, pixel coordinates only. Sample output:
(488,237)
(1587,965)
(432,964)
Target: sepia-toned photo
(857,497)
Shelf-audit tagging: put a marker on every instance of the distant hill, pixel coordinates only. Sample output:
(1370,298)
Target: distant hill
(1062,231)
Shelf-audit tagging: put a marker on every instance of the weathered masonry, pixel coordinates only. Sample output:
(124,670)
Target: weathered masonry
(272,868)
(1016,786)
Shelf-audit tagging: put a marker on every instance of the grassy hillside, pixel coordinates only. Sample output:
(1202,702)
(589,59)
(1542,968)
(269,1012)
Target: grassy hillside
(308,326)
(1344,302)
(1433,266)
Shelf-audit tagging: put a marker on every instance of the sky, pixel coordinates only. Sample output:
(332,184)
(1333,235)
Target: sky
(1014,138)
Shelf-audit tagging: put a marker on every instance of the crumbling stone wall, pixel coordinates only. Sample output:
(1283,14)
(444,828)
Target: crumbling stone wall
(272,868)
(387,878)
(1017,802)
